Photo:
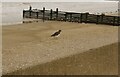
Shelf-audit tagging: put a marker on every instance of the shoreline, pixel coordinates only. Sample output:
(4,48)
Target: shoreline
(24,21)
(30,44)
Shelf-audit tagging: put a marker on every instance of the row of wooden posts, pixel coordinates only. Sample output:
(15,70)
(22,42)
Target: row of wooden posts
(71,16)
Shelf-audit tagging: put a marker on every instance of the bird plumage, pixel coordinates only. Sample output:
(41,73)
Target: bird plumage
(56,33)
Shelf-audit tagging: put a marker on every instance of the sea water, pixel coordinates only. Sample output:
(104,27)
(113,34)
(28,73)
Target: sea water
(12,12)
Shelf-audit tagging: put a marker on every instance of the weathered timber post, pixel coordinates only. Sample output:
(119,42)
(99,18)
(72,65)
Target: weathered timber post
(30,8)
(51,14)
(70,17)
(118,19)
(43,14)
(114,20)
(102,16)
(80,19)
(65,17)
(56,13)
(37,14)
(86,16)
(30,11)
(97,19)
(23,13)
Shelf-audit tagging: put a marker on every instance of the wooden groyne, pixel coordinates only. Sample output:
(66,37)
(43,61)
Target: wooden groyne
(71,16)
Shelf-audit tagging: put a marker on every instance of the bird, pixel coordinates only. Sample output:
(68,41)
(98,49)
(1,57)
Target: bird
(56,34)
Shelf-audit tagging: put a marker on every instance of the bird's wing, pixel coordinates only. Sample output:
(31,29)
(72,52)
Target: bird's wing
(56,33)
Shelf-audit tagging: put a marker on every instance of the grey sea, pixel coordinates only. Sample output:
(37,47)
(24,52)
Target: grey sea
(12,11)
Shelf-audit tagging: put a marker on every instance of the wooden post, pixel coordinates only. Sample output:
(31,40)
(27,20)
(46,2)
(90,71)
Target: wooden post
(30,11)
(118,19)
(70,17)
(51,14)
(80,19)
(30,8)
(43,14)
(66,17)
(86,16)
(102,16)
(97,18)
(37,14)
(56,13)
(114,20)
(23,13)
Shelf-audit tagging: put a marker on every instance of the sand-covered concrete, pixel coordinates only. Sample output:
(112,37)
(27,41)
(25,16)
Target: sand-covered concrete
(30,44)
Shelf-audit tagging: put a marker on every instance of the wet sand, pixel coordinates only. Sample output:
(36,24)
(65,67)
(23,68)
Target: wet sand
(98,61)
(28,45)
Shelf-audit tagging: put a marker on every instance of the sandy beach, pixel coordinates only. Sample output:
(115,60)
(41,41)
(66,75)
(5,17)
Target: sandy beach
(80,49)
(91,62)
